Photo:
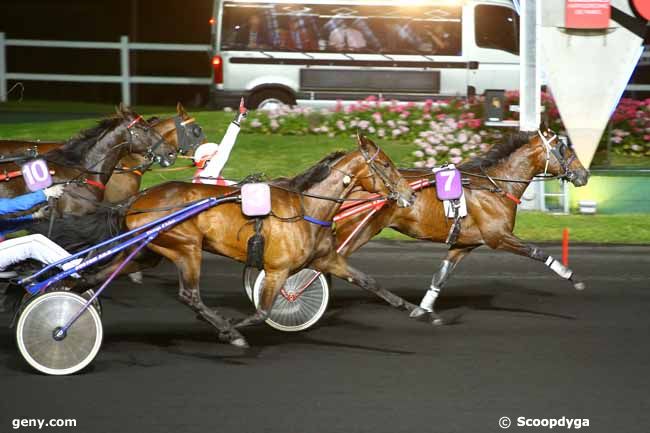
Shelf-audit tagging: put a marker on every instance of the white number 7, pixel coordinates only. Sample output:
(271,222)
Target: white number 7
(450,174)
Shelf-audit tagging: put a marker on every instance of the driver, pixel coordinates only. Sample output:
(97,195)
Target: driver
(36,246)
(211,158)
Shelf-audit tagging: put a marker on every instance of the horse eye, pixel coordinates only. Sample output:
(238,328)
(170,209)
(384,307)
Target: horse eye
(387,164)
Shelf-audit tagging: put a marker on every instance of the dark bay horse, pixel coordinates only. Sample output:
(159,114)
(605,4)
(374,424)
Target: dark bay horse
(180,131)
(297,232)
(88,160)
(490,221)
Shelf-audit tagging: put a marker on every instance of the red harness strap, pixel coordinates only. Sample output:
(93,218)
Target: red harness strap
(8,175)
(95,183)
(513,198)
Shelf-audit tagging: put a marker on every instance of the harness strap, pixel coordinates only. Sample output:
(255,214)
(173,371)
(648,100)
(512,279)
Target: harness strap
(95,183)
(130,170)
(8,175)
(317,221)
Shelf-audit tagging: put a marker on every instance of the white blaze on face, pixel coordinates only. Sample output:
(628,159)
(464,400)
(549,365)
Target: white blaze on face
(587,74)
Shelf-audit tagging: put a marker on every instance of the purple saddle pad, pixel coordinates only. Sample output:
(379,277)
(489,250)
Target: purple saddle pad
(256,199)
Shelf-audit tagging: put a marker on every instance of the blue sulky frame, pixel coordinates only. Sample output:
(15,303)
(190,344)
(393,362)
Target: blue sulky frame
(140,236)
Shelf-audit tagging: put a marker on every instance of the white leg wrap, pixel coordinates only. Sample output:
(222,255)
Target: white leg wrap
(429,298)
(559,268)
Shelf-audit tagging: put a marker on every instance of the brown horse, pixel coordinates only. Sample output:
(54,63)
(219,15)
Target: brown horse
(491,207)
(180,131)
(87,161)
(297,232)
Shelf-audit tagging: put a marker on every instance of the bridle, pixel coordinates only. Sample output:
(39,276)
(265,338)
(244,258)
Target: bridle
(150,153)
(188,134)
(558,152)
(370,161)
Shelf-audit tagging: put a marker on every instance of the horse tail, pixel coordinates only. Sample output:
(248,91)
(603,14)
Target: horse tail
(78,232)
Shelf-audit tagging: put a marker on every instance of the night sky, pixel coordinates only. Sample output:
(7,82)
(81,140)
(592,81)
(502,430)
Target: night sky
(171,21)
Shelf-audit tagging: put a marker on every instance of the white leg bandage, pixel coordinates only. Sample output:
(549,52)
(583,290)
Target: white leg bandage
(36,247)
(429,298)
(559,268)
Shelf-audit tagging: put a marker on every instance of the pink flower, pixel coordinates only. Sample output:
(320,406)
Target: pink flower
(396,132)
(455,151)
(377,118)
(418,153)
(455,159)
(381,133)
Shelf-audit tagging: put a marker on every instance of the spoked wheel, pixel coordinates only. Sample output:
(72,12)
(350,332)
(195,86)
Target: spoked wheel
(298,306)
(38,323)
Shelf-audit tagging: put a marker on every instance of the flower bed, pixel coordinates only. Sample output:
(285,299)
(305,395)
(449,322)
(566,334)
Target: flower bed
(441,131)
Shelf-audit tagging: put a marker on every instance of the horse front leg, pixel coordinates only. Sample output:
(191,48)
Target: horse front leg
(338,266)
(426,309)
(515,245)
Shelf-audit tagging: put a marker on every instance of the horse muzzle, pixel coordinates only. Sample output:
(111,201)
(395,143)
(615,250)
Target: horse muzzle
(166,160)
(402,200)
(579,178)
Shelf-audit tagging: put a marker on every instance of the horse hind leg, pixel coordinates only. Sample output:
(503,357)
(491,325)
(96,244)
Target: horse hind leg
(188,263)
(273,282)
(440,278)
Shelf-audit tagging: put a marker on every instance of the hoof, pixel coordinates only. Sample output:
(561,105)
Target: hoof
(446,318)
(136,277)
(418,313)
(579,285)
(240,342)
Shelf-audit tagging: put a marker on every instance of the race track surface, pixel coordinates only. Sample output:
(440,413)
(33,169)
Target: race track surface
(527,346)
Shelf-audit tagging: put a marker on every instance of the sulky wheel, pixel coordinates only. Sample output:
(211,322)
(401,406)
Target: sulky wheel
(249,277)
(36,327)
(296,307)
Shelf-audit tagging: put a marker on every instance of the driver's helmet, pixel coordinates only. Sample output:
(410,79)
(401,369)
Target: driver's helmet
(204,153)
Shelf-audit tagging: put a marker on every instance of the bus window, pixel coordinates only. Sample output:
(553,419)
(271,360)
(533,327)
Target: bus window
(342,29)
(497,27)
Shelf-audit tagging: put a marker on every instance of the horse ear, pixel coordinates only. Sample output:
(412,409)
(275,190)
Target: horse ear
(181,110)
(543,126)
(365,143)
(122,110)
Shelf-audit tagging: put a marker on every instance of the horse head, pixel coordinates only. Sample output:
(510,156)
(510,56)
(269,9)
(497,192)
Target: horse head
(559,157)
(383,177)
(145,140)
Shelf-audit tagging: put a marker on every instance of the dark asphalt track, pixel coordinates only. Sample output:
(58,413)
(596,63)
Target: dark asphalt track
(529,345)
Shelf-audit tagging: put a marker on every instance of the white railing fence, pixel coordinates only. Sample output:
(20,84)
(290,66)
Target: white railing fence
(125,79)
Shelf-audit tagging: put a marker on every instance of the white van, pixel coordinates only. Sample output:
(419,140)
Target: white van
(318,52)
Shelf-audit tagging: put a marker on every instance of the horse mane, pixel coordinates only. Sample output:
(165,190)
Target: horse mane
(312,175)
(496,153)
(74,150)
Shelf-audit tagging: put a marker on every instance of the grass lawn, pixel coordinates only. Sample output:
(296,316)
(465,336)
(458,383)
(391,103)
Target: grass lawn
(541,227)
(288,155)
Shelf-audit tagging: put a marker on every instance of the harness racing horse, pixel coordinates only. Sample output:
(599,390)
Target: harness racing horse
(298,231)
(180,131)
(87,161)
(497,181)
